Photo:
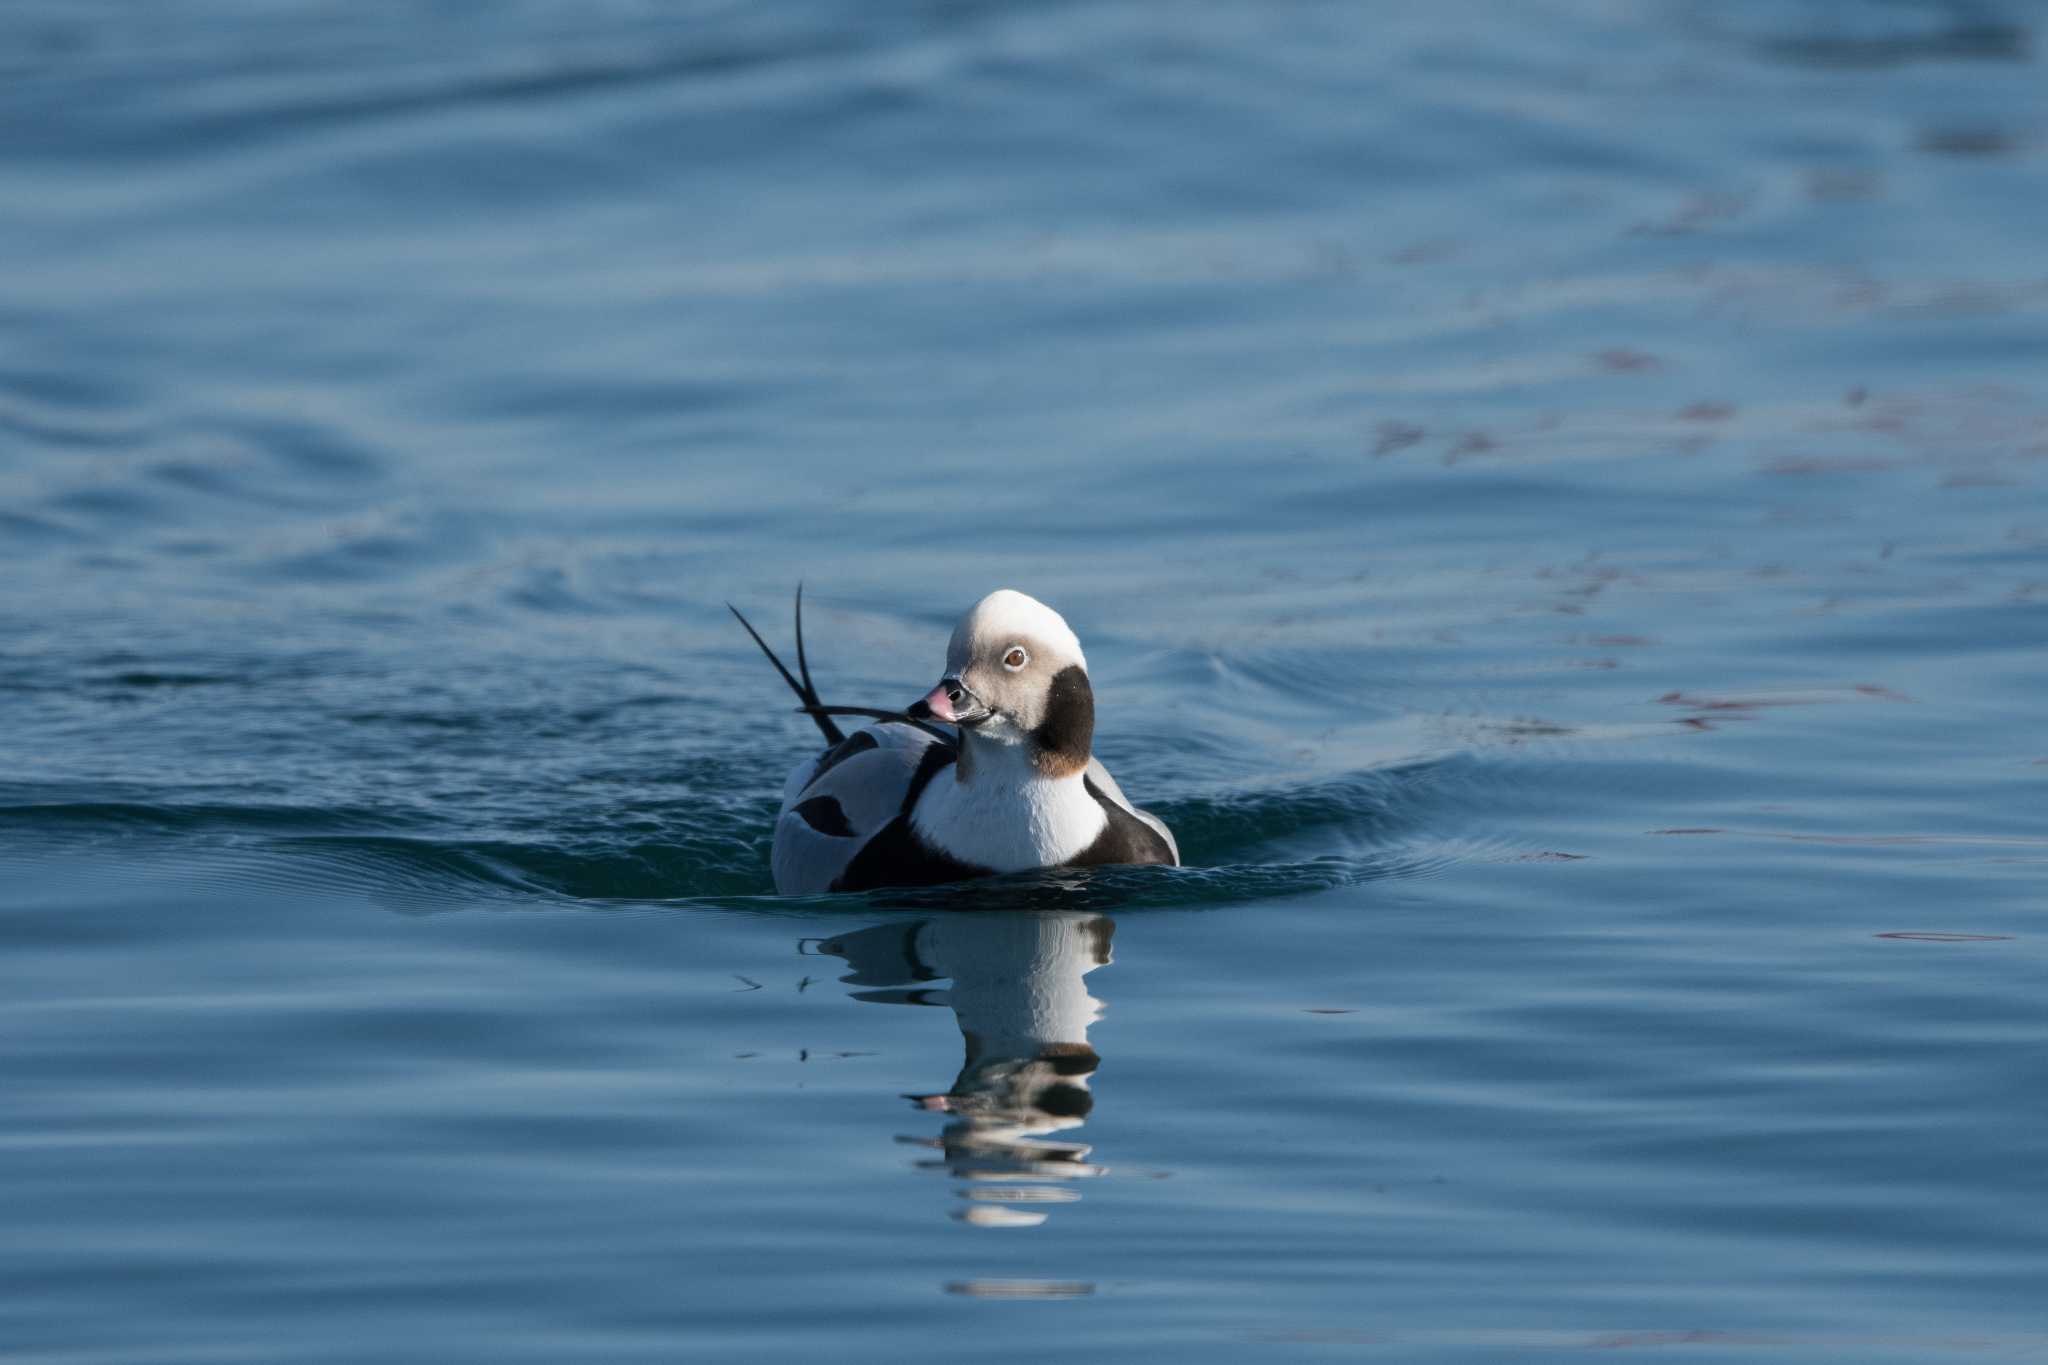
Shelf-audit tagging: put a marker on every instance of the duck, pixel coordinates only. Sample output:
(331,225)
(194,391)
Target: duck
(991,771)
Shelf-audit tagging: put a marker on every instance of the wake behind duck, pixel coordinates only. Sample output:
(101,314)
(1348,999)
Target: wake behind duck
(904,802)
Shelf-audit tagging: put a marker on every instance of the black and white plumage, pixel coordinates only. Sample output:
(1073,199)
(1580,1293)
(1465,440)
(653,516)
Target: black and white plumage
(1015,786)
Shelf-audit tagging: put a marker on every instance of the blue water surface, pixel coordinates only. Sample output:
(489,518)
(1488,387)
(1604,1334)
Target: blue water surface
(1552,496)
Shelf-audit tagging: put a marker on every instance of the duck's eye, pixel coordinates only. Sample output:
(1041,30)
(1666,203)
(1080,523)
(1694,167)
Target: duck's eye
(1016,658)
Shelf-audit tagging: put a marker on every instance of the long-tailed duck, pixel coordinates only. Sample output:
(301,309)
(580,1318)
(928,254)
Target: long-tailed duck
(905,803)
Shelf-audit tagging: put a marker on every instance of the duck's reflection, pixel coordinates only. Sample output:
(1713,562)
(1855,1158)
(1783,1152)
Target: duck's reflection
(1024,1012)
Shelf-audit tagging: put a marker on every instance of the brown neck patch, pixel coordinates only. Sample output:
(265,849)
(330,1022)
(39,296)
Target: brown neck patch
(1063,739)
(1071,1059)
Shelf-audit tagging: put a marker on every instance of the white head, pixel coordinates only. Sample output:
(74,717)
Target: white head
(1015,675)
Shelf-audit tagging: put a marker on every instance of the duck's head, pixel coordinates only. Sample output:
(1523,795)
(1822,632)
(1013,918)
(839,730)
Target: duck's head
(1015,676)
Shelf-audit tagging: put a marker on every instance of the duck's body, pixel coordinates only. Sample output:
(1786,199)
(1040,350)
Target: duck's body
(904,803)
(886,807)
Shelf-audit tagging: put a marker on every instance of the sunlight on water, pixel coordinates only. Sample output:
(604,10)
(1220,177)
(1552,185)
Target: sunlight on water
(1553,504)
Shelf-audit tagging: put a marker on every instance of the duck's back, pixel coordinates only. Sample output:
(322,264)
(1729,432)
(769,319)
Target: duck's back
(837,804)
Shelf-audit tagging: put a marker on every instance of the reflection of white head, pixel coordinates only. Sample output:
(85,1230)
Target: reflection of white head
(1024,1012)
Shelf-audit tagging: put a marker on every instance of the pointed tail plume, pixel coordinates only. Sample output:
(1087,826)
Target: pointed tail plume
(803,689)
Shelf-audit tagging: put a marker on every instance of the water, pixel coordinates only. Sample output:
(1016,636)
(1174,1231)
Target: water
(1552,496)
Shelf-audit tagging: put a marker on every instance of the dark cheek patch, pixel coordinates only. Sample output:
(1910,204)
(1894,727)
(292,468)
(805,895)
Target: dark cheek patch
(1065,1101)
(1068,730)
(1071,1059)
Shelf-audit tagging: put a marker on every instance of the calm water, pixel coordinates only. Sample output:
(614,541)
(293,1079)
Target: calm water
(1553,497)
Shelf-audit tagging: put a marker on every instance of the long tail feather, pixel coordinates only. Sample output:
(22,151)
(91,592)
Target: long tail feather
(803,690)
(787,676)
(803,665)
(877,713)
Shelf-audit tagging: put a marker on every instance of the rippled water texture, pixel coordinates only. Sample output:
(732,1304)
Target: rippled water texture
(1552,494)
